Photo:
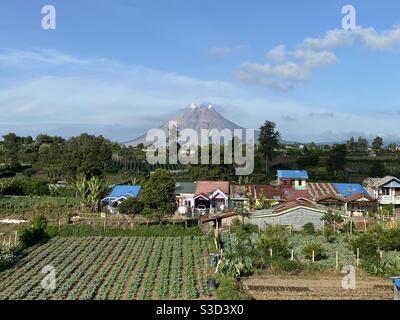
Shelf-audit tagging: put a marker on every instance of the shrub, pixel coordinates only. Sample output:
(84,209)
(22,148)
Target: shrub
(285,265)
(317,248)
(37,233)
(131,206)
(367,243)
(275,238)
(309,228)
(227,288)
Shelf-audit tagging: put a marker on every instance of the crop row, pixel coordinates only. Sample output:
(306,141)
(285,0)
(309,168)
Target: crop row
(111,268)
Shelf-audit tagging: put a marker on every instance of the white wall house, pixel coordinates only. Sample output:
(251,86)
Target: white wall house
(386,190)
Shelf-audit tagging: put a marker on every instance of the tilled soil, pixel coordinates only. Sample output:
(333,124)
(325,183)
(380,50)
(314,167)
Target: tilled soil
(317,287)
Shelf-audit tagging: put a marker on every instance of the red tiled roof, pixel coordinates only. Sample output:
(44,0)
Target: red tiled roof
(209,187)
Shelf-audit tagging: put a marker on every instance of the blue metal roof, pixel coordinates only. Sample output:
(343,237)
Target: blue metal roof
(124,190)
(293,174)
(348,189)
(397,283)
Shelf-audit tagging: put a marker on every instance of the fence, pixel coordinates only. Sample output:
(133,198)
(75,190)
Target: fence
(9,240)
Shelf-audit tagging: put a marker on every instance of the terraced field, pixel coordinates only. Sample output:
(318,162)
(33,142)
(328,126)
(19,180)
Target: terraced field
(101,268)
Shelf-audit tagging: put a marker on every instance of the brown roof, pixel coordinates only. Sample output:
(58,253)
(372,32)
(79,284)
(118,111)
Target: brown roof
(292,194)
(318,189)
(269,192)
(329,196)
(208,187)
(357,196)
(297,203)
(238,191)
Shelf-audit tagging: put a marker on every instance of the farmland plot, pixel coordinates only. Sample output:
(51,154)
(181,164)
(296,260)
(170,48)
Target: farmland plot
(99,268)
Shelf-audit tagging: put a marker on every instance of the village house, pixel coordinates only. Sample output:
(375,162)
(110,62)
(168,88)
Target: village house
(118,194)
(185,192)
(293,179)
(295,214)
(385,190)
(211,196)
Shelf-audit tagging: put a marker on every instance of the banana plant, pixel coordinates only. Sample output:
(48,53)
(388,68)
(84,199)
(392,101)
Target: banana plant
(90,191)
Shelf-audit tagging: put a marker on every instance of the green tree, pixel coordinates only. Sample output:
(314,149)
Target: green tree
(337,157)
(131,206)
(87,155)
(377,144)
(158,194)
(268,142)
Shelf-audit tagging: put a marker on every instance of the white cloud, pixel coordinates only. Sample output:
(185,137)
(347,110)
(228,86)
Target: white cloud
(37,56)
(277,54)
(286,68)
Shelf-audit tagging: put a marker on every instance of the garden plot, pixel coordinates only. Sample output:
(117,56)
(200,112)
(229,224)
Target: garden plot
(99,268)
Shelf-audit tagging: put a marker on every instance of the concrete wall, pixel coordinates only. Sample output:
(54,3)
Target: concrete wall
(297,218)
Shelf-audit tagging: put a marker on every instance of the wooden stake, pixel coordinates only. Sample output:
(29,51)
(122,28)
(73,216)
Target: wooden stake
(337,261)
(381,254)
(365,224)
(16,238)
(270,252)
(358,257)
(292,255)
(313,256)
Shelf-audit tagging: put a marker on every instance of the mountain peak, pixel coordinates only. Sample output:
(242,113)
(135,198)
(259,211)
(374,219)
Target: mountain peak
(196,117)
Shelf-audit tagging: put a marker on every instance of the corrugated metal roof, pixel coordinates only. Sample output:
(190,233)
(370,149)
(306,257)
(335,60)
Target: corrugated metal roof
(293,174)
(124,190)
(349,189)
(185,187)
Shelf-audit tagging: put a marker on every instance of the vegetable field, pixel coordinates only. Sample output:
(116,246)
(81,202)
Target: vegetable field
(113,268)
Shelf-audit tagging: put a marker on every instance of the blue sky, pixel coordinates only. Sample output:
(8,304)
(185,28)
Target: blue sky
(120,67)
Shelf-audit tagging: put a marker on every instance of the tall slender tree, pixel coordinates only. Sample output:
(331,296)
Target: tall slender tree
(268,142)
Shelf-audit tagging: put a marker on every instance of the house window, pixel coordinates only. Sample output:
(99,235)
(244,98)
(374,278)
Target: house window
(386,191)
(187,203)
(300,183)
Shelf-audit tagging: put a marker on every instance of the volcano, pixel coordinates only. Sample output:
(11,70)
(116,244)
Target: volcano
(195,117)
